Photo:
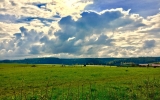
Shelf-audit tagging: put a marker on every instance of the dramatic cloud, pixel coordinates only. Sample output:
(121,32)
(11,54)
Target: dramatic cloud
(24,12)
(63,28)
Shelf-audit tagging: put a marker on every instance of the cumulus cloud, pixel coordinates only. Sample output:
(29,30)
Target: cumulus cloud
(40,15)
(95,37)
(21,44)
(43,8)
(143,7)
(62,29)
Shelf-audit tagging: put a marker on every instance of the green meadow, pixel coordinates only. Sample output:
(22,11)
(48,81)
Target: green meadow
(54,82)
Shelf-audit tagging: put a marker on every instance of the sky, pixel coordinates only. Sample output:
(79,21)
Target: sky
(79,28)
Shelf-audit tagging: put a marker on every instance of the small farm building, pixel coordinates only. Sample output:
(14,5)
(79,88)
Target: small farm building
(143,65)
(155,65)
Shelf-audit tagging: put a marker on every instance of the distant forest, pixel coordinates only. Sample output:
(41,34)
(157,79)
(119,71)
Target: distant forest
(88,61)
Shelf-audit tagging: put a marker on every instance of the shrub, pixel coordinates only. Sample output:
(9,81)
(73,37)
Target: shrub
(33,66)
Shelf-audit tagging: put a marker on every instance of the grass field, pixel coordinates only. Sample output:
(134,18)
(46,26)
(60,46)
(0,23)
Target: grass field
(48,82)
